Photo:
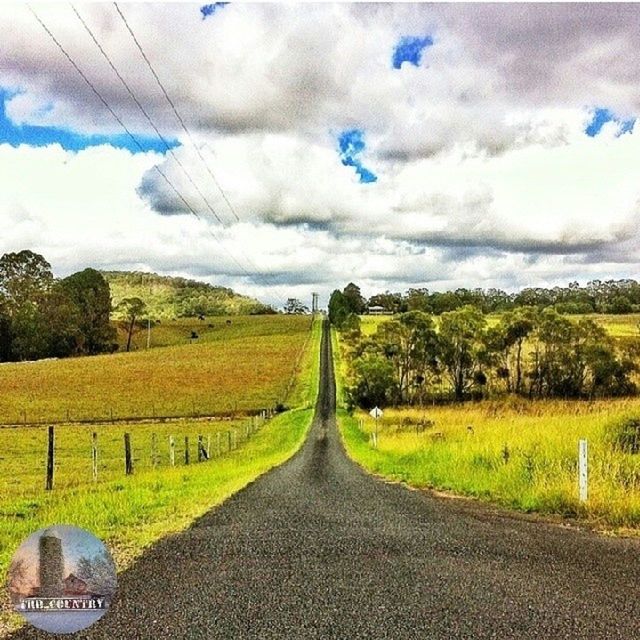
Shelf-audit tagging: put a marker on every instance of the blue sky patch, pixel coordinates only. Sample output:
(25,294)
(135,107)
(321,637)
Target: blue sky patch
(40,136)
(601,116)
(410,49)
(209,9)
(351,144)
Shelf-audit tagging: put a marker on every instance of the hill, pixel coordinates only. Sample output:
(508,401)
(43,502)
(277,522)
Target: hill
(168,297)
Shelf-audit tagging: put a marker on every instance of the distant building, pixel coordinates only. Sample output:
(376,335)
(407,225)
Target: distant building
(377,310)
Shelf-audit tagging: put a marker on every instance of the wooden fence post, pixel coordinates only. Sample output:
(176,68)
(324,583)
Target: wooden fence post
(128,460)
(209,447)
(50,460)
(172,451)
(94,455)
(229,440)
(200,449)
(186,449)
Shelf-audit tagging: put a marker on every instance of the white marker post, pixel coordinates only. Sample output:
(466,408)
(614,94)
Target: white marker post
(583,472)
(376,413)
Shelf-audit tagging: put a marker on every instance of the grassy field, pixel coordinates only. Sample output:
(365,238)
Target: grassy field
(169,333)
(239,367)
(618,326)
(520,454)
(131,512)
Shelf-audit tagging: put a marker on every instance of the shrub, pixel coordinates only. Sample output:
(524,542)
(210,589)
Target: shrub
(624,434)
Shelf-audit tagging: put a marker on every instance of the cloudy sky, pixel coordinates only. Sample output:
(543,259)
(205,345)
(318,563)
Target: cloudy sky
(397,146)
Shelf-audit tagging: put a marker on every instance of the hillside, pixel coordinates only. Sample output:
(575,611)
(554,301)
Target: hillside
(168,297)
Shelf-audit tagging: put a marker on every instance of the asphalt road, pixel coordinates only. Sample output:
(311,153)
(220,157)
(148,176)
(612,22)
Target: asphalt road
(318,549)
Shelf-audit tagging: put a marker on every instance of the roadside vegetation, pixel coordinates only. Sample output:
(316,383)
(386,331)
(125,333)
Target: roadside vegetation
(410,359)
(521,455)
(494,405)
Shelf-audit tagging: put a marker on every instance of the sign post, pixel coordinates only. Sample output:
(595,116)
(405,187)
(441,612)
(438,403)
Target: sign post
(376,413)
(583,473)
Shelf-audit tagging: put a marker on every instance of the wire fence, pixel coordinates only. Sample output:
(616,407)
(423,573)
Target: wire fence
(64,456)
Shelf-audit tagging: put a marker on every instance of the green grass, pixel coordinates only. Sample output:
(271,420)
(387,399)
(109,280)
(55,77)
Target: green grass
(237,368)
(519,454)
(522,457)
(131,512)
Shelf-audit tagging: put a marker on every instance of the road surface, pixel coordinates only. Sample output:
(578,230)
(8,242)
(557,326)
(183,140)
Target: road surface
(319,549)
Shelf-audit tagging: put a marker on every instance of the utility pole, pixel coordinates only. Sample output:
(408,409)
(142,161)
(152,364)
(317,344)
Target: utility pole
(314,303)
(149,322)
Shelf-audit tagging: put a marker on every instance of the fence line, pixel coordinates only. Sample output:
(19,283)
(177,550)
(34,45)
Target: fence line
(233,440)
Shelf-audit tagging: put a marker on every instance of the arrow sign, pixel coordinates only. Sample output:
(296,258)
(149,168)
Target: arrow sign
(376,413)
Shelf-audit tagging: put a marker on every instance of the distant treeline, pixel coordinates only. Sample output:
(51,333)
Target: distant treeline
(168,297)
(597,296)
(530,351)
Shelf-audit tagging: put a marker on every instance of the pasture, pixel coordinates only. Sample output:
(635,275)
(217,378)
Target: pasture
(240,367)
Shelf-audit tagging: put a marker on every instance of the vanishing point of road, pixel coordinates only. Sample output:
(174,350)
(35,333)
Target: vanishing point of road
(318,549)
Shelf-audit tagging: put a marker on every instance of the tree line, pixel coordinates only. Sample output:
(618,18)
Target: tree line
(41,316)
(416,358)
(597,296)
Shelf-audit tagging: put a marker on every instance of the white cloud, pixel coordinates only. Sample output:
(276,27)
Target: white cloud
(485,176)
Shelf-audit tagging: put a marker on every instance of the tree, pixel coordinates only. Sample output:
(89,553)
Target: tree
(354,300)
(99,573)
(5,333)
(461,345)
(295,307)
(90,292)
(24,278)
(372,382)
(506,341)
(338,309)
(411,344)
(61,319)
(131,309)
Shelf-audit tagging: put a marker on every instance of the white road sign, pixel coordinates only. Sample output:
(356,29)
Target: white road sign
(376,413)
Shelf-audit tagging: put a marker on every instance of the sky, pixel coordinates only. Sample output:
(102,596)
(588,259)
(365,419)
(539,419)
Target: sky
(396,146)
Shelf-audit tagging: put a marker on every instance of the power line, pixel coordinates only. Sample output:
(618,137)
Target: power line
(175,110)
(137,143)
(145,113)
(128,132)
(171,103)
